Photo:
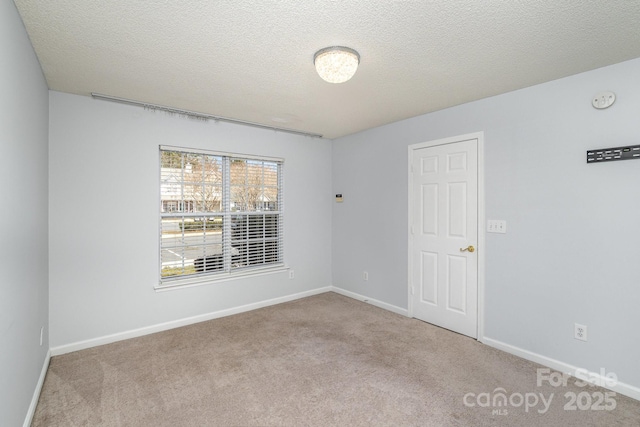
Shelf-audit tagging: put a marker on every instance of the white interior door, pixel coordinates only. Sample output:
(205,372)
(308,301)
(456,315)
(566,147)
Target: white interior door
(444,236)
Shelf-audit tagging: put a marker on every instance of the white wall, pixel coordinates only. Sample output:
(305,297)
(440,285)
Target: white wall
(23,218)
(104,179)
(571,251)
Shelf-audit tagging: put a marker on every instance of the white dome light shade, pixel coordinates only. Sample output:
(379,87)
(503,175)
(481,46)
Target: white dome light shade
(336,64)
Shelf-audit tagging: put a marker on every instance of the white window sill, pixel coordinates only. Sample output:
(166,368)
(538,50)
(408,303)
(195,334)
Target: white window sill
(172,285)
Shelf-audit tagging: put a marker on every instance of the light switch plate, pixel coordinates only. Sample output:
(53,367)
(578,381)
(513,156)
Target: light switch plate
(496,226)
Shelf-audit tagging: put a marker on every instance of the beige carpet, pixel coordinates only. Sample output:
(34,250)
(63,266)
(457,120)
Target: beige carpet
(326,360)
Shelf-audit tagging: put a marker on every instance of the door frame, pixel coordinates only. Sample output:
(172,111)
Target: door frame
(479,136)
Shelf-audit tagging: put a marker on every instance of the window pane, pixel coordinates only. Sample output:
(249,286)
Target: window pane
(271,175)
(173,263)
(211,196)
(203,197)
(171,232)
(238,171)
(191,245)
(254,186)
(256,253)
(238,255)
(171,190)
(210,170)
(254,238)
(192,180)
(238,198)
(193,216)
(213,262)
(170,159)
(256,227)
(238,228)
(271,253)
(271,226)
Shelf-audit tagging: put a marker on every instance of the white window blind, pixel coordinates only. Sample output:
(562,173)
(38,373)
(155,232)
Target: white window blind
(220,214)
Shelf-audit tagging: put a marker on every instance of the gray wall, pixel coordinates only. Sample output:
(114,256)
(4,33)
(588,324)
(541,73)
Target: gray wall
(104,186)
(571,251)
(23,218)
(569,255)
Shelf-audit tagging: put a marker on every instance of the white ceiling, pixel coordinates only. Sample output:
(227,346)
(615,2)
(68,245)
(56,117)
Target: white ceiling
(253,59)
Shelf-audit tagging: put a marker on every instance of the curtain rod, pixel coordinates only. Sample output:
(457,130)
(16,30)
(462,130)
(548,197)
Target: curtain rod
(196,115)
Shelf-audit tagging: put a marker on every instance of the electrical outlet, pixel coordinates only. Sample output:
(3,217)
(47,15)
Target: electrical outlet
(41,335)
(580,332)
(365,276)
(291,274)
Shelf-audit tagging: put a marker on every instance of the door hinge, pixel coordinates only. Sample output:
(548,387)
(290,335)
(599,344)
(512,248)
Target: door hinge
(412,231)
(412,291)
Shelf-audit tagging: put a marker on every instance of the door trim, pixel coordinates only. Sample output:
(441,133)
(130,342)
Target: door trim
(479,136)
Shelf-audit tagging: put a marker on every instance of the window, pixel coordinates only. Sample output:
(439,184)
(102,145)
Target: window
(220,214)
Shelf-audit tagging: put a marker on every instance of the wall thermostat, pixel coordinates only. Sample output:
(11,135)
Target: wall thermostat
(603,100)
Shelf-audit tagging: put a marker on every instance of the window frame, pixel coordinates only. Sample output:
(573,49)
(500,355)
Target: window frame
(228,272)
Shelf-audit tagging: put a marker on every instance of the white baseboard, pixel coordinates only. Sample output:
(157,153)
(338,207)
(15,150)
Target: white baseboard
(36,393)
(371,301)
(108,339)
(620,387)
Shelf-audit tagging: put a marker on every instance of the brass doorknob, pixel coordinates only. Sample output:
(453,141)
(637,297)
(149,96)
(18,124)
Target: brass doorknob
(470,248)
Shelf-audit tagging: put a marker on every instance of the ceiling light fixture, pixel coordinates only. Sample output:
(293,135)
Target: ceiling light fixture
(336,64)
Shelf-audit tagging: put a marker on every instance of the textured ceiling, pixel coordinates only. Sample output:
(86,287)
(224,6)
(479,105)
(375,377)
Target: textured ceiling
(253,59)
